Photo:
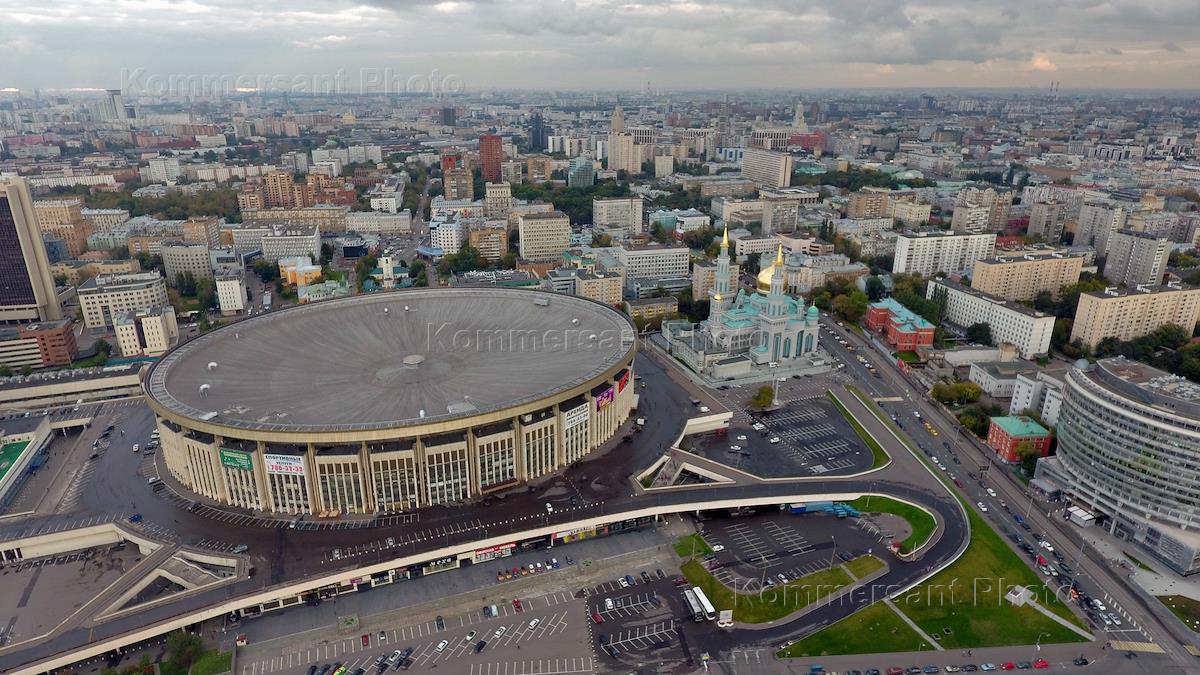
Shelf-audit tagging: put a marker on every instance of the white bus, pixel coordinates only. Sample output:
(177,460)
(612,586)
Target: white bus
(710,612)
(694,605)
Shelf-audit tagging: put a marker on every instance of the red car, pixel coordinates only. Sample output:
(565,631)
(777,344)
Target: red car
(366,640)
(680,581)
(895,670)
(1008,665)
(517,605)
(1041,664)
(597,618)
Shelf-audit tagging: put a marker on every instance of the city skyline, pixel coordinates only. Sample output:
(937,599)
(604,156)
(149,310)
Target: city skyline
(474,46)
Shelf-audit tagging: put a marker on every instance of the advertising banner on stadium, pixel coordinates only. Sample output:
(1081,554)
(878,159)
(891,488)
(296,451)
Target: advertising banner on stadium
(237,459)
(624,380)
(291,465)
(575,417)
(604,398)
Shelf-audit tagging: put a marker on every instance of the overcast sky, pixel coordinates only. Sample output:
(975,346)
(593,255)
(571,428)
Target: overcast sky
(791,44)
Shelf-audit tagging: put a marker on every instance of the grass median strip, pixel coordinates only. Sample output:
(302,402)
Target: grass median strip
(968,596)
(921,522)
(769,604)
(878,454)
(864,565)
(691,544)
(1187,609)
(877,629)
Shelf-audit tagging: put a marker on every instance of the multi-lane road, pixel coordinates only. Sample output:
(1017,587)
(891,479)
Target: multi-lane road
(900,397)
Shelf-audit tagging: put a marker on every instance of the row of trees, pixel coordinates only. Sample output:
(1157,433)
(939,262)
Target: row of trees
(856,178)
(576,202)
(956,393)
(221,202)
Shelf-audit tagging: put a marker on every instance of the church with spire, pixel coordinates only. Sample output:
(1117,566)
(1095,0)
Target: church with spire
(746,329)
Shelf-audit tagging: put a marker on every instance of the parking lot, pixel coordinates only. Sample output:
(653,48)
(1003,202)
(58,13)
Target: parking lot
(641,621)
(548,631)
(806,437)
(758,548)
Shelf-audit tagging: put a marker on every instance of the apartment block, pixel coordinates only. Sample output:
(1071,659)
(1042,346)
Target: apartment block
(231,293)
(927,253)
(766,168)
(911,214)
(497,198)
(146,332)
(1136,258)
(621,212)
(869,202)
(1126,313)
(184,258)
(653,261)
(103,297)
(490,239)
(544,236)
(1047,219)
(1024,277)
(1026,329)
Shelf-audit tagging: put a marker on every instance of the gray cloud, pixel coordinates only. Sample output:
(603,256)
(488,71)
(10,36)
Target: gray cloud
(610,43)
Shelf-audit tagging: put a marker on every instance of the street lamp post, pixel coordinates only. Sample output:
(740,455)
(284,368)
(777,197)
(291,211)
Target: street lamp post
(832,553)
(1037,647)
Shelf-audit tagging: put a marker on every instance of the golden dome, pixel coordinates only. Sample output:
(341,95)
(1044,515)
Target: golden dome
(764,278)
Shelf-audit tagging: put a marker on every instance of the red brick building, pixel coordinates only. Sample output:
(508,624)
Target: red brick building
(903,329)
(1006,433)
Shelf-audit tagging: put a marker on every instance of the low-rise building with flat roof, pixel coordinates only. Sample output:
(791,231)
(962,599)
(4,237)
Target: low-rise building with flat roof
(1007,433)
(903,329)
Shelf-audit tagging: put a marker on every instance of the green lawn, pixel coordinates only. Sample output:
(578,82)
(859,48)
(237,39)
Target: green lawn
(877,452)
(689,543)
(212,662)
(1187,609)
(922,523)
(771,603)
(908,357)
(1140,564)
(873,630)
(864,565)
(968,596)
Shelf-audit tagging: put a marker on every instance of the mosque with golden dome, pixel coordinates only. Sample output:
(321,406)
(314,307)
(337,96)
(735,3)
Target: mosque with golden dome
(745,329)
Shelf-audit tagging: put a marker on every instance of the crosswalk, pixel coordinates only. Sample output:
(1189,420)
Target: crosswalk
(75,489)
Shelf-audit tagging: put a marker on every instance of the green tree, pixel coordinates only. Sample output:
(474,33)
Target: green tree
(5,371)
(876,291)
(980,333)
(852,306)
(763,398)
(1027,456)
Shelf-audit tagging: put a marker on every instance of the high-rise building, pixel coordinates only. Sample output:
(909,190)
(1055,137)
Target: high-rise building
(114,105)
(617,125)
(537,134)
(63,219)
(927,253)
(544,236)
(490,239)
(458,184)
(766,168)
(622,212)
(582,172)
(998,203)
(1024,277)
(491,155)
(970,218)
(497,199)
(622,153)
(1046,219)
(1136,258)
(26,287)
(1097,221)
(447,117)
(869,202)
(1126,314)
(1128,445)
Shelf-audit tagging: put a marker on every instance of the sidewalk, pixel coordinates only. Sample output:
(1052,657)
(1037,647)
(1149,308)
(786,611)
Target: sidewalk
(1059,656)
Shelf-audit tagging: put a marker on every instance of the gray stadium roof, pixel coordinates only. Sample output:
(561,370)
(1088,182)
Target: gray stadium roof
(367,362)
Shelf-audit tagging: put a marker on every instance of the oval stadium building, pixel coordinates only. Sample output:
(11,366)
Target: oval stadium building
(390,402)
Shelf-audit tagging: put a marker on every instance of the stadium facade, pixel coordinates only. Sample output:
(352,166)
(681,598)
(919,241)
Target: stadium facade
(386,403)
